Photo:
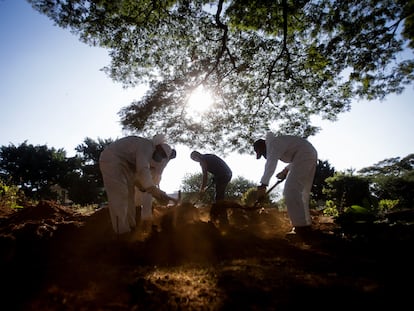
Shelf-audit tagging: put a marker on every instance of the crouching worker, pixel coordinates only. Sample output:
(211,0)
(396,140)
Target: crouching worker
(126,164)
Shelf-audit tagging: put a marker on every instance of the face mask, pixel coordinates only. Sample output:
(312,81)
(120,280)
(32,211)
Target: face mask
(159,154)
(157,157)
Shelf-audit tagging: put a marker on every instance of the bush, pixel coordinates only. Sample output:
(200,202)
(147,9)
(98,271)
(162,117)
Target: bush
(10,196)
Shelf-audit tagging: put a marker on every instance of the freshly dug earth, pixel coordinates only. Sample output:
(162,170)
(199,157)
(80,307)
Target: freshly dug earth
(57,258)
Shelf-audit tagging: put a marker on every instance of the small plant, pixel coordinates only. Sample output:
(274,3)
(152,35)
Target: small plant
(331,209)
(249,198)
(386,205)
(10,196)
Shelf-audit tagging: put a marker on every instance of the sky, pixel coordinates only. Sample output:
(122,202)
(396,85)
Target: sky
(53,92)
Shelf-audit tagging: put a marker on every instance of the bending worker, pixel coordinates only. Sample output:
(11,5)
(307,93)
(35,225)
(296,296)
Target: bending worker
(126,164)
(299,174)
(222,174)
(210,163)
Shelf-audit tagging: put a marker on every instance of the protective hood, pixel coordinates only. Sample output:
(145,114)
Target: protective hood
(159,139)
(167,149)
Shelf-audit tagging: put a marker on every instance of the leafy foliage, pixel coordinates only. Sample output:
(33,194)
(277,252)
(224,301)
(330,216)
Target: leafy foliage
(271,65)
(323,171)
(190,187)
(84,183)
(10,195)
(393,179)
(390,167)
(237,187)
(385,206)
(396,188)
(346,190)
(34,169)
(37,170)
(234,191)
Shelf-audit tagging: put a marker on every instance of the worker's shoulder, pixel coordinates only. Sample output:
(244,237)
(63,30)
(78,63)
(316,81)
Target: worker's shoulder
(212,156)
(132,137)
(288,137)
(131,140)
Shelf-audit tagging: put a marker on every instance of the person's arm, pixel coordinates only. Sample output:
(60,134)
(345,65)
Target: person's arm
(143,177)
(271,163)
(156,170)
(145,183)
(282,174)
(203,165)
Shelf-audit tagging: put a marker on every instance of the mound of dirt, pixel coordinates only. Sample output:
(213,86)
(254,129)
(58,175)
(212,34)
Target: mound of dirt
(56,258)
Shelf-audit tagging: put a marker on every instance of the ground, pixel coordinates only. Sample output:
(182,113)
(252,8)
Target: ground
(58,258)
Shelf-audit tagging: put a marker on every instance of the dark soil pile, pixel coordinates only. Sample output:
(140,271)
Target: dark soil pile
(57,258)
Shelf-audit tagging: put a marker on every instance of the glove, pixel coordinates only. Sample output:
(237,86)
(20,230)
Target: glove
(261,192)
(160,195)
(281,175)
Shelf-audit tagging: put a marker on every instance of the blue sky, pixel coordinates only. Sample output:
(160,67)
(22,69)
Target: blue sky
(53,93)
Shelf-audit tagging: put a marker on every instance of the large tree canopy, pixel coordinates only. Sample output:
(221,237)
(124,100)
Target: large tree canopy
(269,64)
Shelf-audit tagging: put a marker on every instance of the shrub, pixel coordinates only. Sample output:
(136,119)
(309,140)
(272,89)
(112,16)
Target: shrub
(10,196)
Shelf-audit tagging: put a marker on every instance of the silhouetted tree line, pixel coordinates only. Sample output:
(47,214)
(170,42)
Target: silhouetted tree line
(46,173)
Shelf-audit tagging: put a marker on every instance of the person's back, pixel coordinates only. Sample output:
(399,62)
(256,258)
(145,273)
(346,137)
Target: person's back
(132,147)
(286,147)
(216,166)
(210,163)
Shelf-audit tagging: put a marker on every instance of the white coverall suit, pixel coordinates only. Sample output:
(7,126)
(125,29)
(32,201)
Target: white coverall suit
(302,157)
(144,199)
(126,164)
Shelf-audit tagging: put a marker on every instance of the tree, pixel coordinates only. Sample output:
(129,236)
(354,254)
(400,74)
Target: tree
(234,191)
(393,179)
(390,167)
(346,190)
(90,152)
(190,187)
(238,186)
(37,169)
(34,169)
(85,185)
(395,188)
(323,171)
(270,65)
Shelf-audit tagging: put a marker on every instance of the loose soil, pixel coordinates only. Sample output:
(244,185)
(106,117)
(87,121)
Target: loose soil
(58,258)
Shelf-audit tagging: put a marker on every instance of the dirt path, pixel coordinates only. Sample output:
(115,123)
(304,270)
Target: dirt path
(55,259)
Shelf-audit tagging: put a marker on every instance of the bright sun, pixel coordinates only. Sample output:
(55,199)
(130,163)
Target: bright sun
(199,102)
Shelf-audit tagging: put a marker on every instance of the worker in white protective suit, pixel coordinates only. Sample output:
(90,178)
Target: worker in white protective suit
(299,174)
(129,163)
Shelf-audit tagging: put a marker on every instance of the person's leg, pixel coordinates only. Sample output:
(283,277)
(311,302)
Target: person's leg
(296,192)
(220,190)
(146,213)
(116,188)
(221,184)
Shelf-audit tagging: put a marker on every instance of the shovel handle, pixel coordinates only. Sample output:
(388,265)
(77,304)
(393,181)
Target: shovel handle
(274,186)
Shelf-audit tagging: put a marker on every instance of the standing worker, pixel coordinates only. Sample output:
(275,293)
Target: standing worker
(210,163)
(128,163)
(299,174)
